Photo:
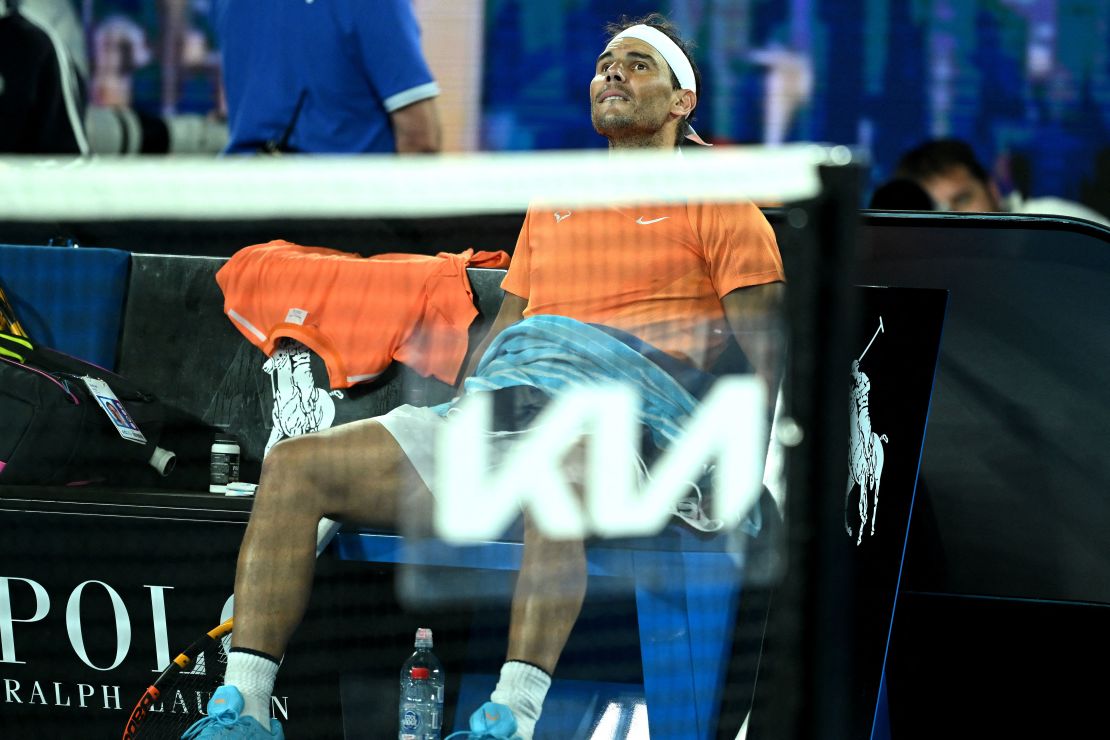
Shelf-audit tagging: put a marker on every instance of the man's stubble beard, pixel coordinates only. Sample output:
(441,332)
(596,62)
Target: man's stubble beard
(620,125)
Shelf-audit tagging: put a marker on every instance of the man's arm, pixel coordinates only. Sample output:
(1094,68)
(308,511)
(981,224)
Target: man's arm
(416,128)
(755,317)
(511,311)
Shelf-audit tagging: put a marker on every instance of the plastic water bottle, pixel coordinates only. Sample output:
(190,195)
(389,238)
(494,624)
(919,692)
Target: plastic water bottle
(421,706)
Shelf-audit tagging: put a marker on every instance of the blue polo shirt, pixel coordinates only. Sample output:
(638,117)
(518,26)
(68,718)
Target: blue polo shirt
(352,61)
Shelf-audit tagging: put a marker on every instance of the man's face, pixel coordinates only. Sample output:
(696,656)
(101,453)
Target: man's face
(631,93)
(956,189)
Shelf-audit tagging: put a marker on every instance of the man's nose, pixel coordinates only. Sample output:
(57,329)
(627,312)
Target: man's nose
(615,72)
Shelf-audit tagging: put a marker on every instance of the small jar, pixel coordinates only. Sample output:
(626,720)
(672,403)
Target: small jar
(224,467)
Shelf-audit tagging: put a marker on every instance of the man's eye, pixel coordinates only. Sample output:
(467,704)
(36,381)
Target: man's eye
(640,65)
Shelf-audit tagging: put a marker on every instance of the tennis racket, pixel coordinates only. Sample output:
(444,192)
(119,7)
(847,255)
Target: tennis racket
(9,323)
(179,695)
(183,688)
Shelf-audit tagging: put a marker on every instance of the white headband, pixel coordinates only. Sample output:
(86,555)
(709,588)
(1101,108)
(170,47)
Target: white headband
(673,56)
(669,50)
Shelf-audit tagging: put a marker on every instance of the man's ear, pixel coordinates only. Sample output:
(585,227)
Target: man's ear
(683,103)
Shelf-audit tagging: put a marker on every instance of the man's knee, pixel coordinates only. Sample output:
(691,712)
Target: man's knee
(289,468)
(327,469)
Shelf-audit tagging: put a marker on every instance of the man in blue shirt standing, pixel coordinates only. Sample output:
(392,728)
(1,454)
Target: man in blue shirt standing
(326,77)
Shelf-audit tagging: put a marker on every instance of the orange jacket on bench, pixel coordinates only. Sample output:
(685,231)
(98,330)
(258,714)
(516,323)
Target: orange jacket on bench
(358,313)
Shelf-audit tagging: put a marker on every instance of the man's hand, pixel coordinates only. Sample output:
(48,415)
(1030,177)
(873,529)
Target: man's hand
(511,311)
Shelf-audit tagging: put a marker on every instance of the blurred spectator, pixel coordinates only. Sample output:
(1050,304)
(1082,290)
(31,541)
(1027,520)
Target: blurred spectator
(111,125)
(41,101)
(326,77)
(120,49)
(787,88)
(955,180)
(901,194)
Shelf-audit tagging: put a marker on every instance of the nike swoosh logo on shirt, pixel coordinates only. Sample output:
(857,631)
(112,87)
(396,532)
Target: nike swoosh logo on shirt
(642,222)
(561,216)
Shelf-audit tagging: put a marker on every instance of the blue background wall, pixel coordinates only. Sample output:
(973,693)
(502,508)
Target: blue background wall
(1026,82)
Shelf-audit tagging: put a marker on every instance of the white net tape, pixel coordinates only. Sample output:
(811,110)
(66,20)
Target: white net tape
(338,187)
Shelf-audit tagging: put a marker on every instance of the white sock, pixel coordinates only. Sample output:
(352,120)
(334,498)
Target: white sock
(254,676)
(522,688)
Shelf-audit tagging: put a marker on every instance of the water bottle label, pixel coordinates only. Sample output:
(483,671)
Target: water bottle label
(409,720)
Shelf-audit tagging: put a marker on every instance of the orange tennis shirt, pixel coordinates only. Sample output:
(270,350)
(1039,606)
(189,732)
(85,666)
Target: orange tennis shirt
(358,313)
(656,272)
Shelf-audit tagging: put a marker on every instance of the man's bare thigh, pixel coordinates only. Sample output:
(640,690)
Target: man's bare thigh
(356,472)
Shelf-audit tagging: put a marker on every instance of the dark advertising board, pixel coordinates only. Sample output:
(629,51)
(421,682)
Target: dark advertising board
(93,606)
(890,385)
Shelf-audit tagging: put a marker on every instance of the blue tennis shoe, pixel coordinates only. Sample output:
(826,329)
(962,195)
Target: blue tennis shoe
(490,722)
(224,722)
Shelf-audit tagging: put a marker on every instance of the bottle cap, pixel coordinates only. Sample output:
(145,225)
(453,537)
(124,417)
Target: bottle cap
(423,637)
(419,673)
(162,461)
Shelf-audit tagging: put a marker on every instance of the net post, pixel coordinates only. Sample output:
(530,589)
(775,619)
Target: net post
(807,687)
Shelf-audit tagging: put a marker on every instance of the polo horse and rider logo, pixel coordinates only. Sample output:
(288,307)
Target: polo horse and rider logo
(865,452)
(299,406)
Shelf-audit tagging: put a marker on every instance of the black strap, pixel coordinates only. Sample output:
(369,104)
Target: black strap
(282,144)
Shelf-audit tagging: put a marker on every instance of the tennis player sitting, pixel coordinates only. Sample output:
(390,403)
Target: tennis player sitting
(658,287)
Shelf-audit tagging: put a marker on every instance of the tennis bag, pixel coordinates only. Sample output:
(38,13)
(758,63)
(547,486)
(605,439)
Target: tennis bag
(64,421)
